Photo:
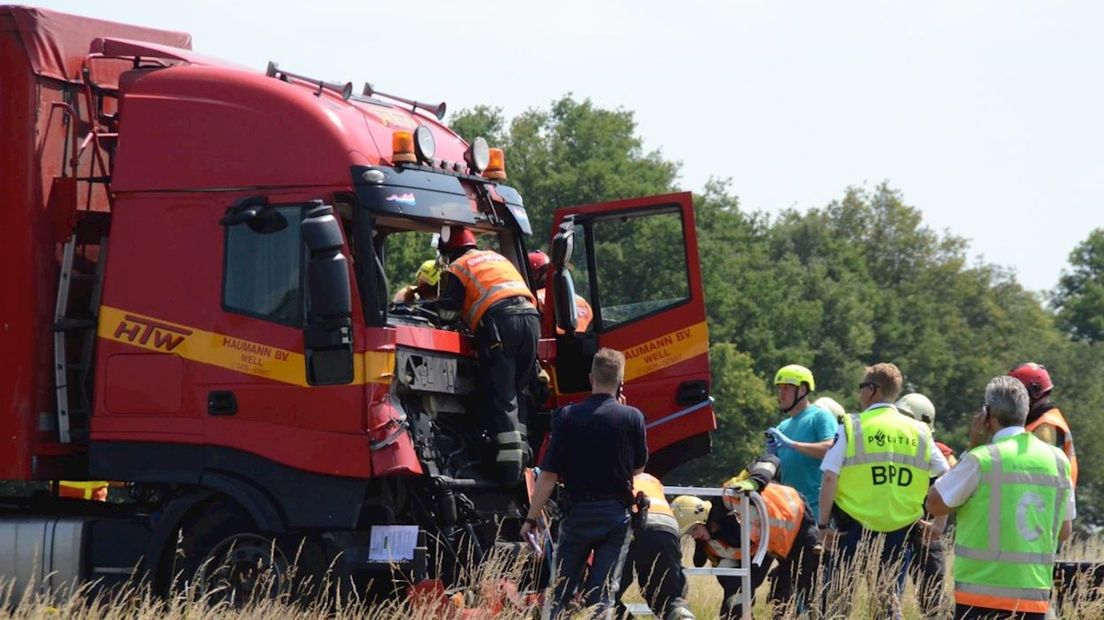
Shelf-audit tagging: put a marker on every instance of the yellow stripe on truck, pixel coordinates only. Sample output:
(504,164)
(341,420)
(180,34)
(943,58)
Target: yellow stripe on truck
(666,350)
(214,349)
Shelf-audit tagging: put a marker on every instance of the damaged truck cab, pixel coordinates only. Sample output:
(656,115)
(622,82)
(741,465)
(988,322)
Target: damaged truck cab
(208,319)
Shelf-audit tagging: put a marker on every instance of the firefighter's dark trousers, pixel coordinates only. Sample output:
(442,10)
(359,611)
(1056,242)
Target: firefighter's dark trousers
(655,557)
(791,589)
(507,342)
(730,605)
(600,526)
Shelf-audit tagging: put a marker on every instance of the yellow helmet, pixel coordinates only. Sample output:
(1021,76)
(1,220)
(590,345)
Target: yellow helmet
(429,273)
(690,511)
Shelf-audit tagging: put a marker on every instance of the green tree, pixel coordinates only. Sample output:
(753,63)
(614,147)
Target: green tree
(1079,298)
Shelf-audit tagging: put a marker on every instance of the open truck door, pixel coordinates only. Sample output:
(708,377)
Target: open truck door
(635,263)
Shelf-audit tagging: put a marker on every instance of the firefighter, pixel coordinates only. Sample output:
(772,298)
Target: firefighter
(424,287)
(488,293)
(875,479)
(538,266)
(802,439)
(655,554)
(928,567)
(792,542)
(1044,420)
(1015,502)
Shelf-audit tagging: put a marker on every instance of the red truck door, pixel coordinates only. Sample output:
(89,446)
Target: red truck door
(636,262)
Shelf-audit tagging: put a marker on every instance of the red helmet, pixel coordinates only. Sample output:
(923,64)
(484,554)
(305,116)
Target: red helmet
(1034,377)
(458,237)
(538,260)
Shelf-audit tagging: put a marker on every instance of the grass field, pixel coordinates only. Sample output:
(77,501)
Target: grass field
(704,595)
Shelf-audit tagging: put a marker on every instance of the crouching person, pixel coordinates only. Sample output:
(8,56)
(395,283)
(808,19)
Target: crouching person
(792,541)
(655,554)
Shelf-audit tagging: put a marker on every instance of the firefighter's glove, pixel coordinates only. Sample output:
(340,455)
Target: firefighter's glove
(745,486)
(779,440)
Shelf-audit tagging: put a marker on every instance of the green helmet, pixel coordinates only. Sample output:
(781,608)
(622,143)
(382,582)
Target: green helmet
(795,375)
(917,406)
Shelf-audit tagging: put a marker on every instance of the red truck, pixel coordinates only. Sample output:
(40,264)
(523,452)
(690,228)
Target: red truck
(196,305)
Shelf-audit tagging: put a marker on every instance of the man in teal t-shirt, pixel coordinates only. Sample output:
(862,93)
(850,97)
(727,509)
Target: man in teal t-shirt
(801,440)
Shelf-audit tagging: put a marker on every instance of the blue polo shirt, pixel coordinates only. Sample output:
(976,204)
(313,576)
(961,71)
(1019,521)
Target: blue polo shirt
(801,472)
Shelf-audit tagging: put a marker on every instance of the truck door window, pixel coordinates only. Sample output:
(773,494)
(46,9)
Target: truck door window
(263,271)
(640,264)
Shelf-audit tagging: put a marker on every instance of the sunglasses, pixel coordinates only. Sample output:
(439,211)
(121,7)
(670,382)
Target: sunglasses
(868,384)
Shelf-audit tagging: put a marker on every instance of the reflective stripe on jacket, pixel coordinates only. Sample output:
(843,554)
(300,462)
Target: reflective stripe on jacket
(487,277)
(660,515)
(884,478)
(1055,418)
(1007,531)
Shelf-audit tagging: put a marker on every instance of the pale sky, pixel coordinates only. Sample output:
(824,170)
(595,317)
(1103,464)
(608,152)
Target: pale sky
(986,113)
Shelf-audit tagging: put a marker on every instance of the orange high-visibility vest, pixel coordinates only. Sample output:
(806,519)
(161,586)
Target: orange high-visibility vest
(487,277)
(583,312)
(660,514)
(1055,418)
(785,514)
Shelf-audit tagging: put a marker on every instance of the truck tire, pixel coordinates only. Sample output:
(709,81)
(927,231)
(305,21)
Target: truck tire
(223,559)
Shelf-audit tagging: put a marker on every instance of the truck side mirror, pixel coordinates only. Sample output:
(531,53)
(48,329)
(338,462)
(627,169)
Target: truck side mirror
(254,212)
(563,287)
(327,338)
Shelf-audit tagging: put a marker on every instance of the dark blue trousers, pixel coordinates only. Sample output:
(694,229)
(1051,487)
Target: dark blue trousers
(601,527)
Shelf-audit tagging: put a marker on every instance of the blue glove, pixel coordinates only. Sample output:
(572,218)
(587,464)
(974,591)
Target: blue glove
(772,445)
(779,440)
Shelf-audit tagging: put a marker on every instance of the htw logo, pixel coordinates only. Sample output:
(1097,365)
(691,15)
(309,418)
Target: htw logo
(140,331)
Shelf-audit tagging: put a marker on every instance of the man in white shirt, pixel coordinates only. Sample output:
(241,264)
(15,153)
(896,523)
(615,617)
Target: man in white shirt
(1010,494)
(876,487)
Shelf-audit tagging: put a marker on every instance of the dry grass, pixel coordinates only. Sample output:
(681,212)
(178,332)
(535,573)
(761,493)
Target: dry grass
(481,583)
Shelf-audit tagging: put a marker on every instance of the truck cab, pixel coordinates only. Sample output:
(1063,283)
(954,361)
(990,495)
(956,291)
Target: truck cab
(247,374)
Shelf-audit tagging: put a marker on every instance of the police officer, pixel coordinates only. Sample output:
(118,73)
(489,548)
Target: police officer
(596,448)
(1015,502)
(488,293)
(655,554)
(875,478)
(1043,418)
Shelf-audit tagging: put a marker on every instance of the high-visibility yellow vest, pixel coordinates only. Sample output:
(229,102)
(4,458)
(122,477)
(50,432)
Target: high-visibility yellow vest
(660,515)
(884,478)
(487,277)
(1007,532)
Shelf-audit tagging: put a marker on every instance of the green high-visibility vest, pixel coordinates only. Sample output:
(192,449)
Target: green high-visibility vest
(884,478)
(1007,532)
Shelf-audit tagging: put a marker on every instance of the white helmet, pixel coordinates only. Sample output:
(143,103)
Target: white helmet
(918,407)
(832,406)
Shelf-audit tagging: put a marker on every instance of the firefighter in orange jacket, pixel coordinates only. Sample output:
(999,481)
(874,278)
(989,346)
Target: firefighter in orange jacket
(655,554)
(538,266)
(792,541)
(485,290)
(1044,420)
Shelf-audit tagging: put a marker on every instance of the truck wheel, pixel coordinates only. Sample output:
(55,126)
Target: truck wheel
(223,559)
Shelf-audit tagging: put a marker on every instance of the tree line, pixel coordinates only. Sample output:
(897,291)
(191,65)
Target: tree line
(835,288)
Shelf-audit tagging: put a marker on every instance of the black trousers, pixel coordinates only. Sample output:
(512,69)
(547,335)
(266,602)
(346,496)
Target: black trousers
(655,557)
(731,609)
(928,570)
(507,344)
(792,583)
(966,612)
